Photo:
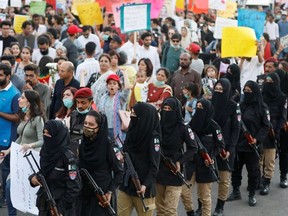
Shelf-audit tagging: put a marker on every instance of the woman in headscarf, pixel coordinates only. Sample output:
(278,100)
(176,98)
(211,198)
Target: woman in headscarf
(233,75)
(97,156)
(59,167)
(210,135)
(174,134)
(254,117)
(227,117)
(142,144)
(276,102)
(283,151)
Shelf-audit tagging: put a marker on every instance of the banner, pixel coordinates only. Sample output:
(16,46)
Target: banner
(37,7)
(252,19)
(90,14)
(23,196)
(238,42)
(18,20)
(220,23)
(231,8)
(135,17)
(217,4)
(284,41)
(156,6)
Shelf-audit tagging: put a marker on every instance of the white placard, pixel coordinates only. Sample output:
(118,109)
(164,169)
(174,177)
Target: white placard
(3,4)
(284,41)
(217,4)
(23,196)
(135,17)
(16,3)
(221,23)
(1,47)
(258,2)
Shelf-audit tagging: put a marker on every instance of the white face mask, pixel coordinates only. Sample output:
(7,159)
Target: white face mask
(211,28)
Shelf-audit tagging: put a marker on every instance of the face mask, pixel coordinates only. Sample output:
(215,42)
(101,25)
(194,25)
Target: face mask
(278,16)
(159,83)
(186,96)
(84,111)
(105,37)
(283,17)
(68,102)
(24,109)
(65,20)
(211,28)
(89,132)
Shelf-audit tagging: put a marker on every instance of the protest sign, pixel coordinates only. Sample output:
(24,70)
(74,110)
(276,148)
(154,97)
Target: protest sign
(217,4)
(76,2)
(116,10)
(223,68)
(168,8)
(3,4)
(135,17)
(198,6)
(23,196)
(2,17)
(220,23)
(252,19)
(284,41)
(231,8)
(37,7)
(18,20)
(238,42)
(156,6)
(180,4)
(16,3)
(258,2)
(90,13)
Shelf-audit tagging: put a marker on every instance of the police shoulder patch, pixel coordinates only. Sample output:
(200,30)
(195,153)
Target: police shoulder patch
(156,144)
(72,169)
(191,134)
(219,135)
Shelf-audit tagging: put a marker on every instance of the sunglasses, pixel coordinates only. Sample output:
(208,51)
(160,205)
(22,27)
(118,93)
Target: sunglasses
(175,41)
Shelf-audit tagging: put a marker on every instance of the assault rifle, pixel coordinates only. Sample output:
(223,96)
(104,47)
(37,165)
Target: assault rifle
(51,202)
(204,154)
(249,138)
(98,191)
(173,168)
(135,178)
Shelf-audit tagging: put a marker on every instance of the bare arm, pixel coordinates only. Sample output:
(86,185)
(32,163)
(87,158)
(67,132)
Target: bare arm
(10,117)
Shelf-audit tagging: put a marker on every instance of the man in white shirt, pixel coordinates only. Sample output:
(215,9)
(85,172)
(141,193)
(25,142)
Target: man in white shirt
(272,29)
(148,51)
(43,50)
(132,51)
(89,66)
(87,36)
(38,28)
(197,64)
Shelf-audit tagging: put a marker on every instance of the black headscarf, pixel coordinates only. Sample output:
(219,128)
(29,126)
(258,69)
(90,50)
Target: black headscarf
(142,127)
(202,117)
(55,146)
(283,80)
(272,94)
(233,75)
(93,152)
(170,121)
(254,98)
(220,102)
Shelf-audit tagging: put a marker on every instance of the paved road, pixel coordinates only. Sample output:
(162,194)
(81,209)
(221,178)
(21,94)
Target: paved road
(275,204)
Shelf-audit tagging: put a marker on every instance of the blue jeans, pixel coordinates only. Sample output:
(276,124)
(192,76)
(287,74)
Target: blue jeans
(11,210)
(5,166)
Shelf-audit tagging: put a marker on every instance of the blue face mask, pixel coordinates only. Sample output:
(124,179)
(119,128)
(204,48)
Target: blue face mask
(159,83)
(186,96)
(65,20)
(84,111)
(105,37)
(68,102)
(24,109)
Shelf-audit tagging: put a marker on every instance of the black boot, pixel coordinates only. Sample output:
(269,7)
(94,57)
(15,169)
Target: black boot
(199,210)
(235,195)
(251,199)
(191,213)
(219,208)
(283,181)
(265,189)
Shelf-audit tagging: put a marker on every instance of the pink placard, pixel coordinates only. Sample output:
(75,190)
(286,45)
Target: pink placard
(156,6)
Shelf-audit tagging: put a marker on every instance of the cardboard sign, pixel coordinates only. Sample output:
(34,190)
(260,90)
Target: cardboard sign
(231,8)
(18,21)
(37,7)
(220,23)
(217,4)
(135,17)
(90,13)
(252,19)
(238,42)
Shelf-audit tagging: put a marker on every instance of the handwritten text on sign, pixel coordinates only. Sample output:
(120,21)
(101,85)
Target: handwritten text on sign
(284,41)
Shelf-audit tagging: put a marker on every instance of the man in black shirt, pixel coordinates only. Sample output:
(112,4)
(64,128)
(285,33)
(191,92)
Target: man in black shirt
(5,37)
(66,73)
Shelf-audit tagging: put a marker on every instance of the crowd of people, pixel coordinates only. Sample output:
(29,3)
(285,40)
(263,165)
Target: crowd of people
(148,114)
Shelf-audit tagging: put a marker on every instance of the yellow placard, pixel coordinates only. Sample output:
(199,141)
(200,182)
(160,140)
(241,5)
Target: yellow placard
(18,20)
(76,2)
(180,4)
(90,14)
(238,42)
(231,8)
